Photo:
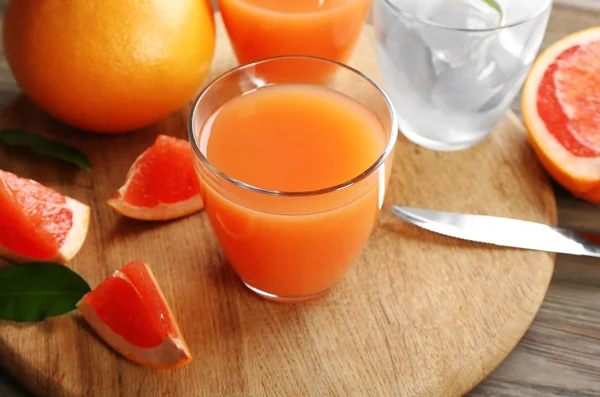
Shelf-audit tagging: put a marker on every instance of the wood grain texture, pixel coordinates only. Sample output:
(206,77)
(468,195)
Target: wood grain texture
(558,356)
(417,315)
(526,371)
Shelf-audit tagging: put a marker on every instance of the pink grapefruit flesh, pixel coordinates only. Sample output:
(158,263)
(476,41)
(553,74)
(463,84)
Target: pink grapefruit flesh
(561,110)
(129,312)
(161,184)
(39,224)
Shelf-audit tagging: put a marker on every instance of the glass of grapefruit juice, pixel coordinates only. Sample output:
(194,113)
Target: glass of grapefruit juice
(293,173)
(267,28)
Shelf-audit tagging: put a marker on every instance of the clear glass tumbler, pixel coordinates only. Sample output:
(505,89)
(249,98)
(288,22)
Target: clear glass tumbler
(292,245)
(452,67)
(261,29)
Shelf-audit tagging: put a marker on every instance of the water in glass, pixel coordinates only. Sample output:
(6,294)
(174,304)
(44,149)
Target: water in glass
(452,67)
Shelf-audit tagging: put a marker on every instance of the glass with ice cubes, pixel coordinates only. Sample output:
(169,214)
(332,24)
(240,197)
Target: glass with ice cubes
(452,67)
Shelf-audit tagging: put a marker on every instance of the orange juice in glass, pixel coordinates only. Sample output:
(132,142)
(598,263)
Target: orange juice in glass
(293,173)
(267,28)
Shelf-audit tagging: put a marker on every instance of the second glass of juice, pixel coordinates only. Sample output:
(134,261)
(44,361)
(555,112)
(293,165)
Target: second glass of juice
(267,28)
(293,172)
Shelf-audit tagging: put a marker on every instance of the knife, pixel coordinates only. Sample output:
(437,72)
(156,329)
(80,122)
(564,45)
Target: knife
(499,231)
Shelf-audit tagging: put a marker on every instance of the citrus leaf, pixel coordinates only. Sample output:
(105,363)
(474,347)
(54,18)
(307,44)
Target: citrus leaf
(494,5)
(45,147)
(4,263)
(35,291)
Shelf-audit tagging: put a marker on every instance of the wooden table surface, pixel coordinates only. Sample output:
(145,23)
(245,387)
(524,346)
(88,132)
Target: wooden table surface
(560,354)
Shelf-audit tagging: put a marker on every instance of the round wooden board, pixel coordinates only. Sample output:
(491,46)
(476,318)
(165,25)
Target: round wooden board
(418,315)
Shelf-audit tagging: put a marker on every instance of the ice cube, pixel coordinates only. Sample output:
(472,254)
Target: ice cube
(406,50)
(468,87)
(460,14)
(483,84)
(408,7)
(457,47)
(511,69)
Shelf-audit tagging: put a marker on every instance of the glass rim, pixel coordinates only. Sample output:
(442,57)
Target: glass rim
(300,13)
(518,22)
(393,136)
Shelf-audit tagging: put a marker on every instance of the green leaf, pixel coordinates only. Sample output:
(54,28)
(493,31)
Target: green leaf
(35,291)
(4,263)
(45,147)
(494,5)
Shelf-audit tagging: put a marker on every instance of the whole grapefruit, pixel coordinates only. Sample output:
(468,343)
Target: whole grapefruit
(109,66)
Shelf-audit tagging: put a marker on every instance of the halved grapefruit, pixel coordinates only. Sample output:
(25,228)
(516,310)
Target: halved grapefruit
(38,223)
(161,184)
(129,311)
(561,110)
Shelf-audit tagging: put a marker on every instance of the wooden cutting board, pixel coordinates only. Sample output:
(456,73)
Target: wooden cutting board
(418,314)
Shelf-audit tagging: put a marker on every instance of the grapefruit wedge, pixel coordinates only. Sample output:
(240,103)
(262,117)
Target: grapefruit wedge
(38,223)
(129,312)
(161,184)
(561,110)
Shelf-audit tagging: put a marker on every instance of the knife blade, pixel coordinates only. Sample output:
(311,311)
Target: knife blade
(499,231)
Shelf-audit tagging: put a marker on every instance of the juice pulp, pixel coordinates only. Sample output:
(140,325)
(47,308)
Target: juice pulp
(292,138)
(265,28)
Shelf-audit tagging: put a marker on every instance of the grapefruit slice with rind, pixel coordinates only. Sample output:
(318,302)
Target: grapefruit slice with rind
(561,110)
(161,184)
(37,223)
(129,312)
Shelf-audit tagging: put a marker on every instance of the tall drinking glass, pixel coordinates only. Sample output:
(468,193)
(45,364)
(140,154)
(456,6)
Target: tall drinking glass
(270,151)
(452,67)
